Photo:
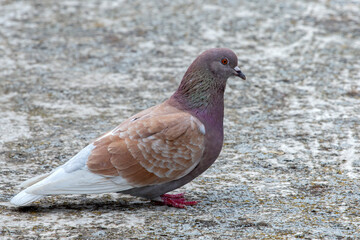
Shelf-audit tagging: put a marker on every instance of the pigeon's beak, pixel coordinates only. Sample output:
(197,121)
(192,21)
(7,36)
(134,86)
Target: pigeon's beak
(239,73)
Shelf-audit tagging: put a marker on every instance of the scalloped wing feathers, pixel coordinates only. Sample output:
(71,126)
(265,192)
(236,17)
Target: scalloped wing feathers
(152,147)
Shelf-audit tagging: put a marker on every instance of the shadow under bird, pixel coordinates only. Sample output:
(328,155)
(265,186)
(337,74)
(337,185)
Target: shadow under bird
(155,151)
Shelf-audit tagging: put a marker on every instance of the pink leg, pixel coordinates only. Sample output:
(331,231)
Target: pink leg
(176,200)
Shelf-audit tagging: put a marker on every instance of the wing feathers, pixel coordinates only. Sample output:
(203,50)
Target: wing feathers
(23,198)
(79,182)
(151,150)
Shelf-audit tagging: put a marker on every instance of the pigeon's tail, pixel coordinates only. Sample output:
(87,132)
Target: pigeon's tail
(34,180)
(23,198)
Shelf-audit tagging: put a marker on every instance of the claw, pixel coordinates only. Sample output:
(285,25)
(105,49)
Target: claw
(176,200)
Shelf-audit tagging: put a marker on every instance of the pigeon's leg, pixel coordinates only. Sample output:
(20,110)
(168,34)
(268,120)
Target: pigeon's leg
(176,200)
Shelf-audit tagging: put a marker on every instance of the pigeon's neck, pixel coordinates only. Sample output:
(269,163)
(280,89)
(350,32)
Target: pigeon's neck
(202,95)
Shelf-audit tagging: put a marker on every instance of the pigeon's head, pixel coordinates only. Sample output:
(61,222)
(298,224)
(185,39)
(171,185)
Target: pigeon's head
(222,62)
(205,79)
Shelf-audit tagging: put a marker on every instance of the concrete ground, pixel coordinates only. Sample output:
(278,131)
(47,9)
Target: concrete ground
(290,165)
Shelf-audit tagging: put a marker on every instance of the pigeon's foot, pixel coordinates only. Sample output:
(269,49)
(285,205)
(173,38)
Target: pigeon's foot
(176,200)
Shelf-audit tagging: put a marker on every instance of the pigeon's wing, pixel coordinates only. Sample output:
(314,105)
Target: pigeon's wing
(149,149)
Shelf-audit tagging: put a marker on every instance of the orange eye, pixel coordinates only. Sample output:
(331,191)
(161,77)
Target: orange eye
(224,61)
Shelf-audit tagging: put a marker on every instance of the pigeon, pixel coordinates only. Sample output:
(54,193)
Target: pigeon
(155,151)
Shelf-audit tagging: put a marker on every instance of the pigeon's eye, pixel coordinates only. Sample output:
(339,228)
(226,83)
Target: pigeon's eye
(224,61)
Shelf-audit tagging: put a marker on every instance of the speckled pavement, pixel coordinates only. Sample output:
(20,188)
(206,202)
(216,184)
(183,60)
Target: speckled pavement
(290,165)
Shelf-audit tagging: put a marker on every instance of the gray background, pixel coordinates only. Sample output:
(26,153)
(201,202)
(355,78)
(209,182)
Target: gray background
(290,166)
